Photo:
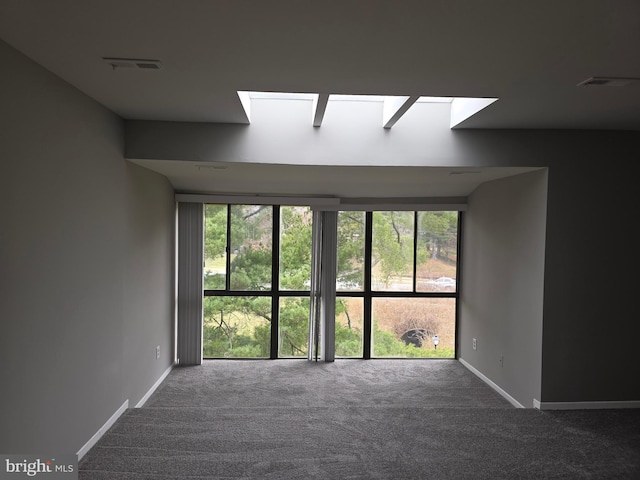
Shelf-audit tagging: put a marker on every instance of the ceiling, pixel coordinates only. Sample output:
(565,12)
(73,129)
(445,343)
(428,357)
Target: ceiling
(530,55)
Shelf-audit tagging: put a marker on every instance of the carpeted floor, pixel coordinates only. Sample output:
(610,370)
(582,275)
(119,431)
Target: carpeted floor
(355,419)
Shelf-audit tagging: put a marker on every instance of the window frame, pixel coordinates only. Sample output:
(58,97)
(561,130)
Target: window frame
(367,294)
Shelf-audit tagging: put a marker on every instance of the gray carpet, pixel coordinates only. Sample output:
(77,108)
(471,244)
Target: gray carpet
(355,419)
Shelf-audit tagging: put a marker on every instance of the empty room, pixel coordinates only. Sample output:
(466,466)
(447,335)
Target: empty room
(290,239)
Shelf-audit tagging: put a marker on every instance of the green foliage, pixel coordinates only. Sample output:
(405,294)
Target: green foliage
(295,249)
(251,270)
(348,341)
(350,255)
(262,340)
(236,326)
(241,334)
(392,242)
(294,327)
(248,222)
(439,232)
(385,344)
(214,281)
(215,227)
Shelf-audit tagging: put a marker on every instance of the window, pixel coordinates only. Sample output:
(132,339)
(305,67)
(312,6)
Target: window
(396,283)
(257,266)
(237,271)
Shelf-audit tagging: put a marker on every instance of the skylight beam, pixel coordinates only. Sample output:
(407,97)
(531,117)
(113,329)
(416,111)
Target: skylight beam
(463,108)
(394,108)
(320,101)
(245,100)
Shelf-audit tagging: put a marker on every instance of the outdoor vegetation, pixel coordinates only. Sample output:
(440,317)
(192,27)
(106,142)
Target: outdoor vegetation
(239,326)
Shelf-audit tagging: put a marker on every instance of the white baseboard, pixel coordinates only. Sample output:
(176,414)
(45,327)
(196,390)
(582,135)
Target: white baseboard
(489,382)
(584,405)
(153,388)
(93,440)
(109,423)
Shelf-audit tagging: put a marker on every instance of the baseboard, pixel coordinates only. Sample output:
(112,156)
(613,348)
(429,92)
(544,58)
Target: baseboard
(93,440)
(154,387)
(489,382)
(109,423)
(585,405)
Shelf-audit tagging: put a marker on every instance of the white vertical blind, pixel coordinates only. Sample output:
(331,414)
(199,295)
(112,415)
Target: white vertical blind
(314,302)
(323,286)
(328,282)
(190,266)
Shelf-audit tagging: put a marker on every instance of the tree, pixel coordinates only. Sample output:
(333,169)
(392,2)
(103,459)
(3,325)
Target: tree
(392,243)
(295,248)
(439,232)
(350,255)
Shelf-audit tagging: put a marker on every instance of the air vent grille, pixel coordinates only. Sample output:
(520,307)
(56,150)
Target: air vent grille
(608,82)
(150,66)
(143,64)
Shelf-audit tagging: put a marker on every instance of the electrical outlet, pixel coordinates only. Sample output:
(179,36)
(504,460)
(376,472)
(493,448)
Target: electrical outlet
(475,344)
(501,361)
(157,352)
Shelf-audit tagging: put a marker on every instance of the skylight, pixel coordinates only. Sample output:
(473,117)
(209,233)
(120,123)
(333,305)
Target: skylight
(394,107)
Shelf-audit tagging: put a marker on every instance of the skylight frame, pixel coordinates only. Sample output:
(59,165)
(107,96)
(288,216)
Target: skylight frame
(394,107)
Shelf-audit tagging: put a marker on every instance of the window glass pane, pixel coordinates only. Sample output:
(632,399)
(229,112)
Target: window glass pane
(251,228)
(407,327)
(236,327)
(295,248)
(437,251)
(294,327)
(350,261)
(215,243)
(392,251)
(349,327)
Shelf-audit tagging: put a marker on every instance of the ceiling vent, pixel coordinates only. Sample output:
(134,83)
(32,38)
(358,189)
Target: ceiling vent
(608,82)
(144,64)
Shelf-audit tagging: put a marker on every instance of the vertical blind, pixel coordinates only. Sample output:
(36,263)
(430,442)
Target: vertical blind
(190,266)
(323,283)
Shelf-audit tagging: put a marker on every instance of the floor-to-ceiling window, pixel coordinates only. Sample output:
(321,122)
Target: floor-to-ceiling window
(396,282)
(257,264)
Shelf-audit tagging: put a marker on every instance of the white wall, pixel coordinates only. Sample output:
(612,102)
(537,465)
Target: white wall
(86,249)
(148,296)
(502,283)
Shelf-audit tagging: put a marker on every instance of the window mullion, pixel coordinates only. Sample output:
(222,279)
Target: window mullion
(367,326)
(275,281)
(415,250)
(227,277)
